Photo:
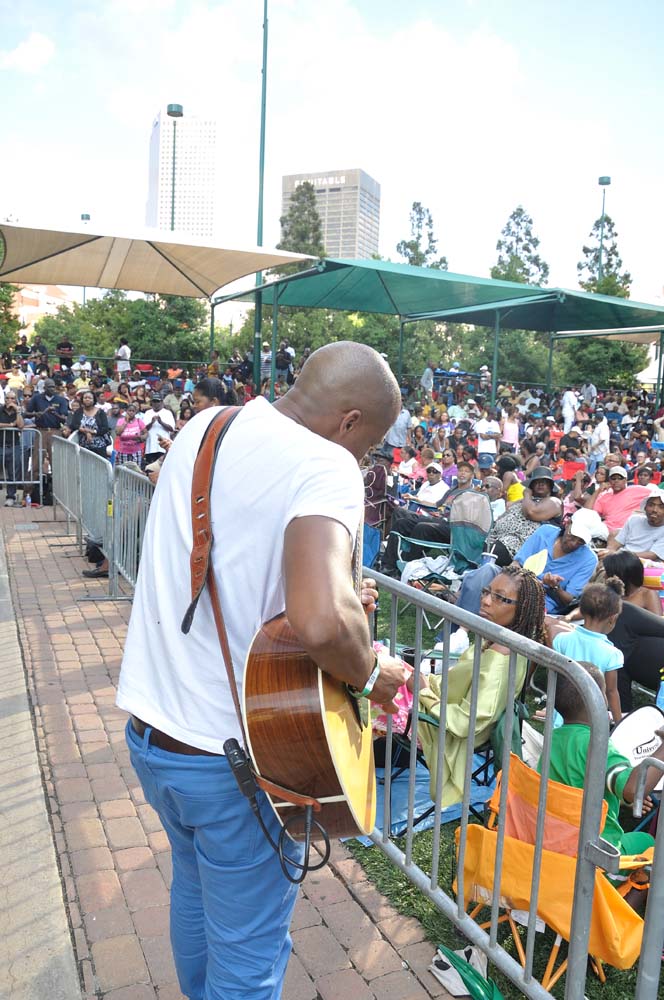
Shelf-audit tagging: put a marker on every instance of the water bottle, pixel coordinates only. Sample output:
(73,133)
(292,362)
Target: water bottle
(659,700)
(28,501)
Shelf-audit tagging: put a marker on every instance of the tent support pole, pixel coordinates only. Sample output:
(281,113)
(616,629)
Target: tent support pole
(212,308)
(494,367)
(275,323)
(549,371)
(400,363)
(658,397)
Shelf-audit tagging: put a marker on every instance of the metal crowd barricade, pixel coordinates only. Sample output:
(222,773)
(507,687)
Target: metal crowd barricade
(592,851)
(96,484)
(21,458)
(132,494)
(650,962)
(66,470)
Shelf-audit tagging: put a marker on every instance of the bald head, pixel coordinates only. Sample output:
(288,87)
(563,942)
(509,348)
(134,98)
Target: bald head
(347,393)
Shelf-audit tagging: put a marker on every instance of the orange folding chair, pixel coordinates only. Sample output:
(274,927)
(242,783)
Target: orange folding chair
(616,929)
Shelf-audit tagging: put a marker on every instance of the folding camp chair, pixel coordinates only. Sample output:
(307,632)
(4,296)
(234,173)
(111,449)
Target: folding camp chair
(615,929)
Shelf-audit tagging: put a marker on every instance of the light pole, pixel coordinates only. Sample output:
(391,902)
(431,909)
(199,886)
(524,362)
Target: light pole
(85,218)
(173,111)
(258,307)
(603,183)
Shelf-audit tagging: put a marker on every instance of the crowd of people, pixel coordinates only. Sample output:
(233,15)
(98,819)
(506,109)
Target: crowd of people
(124,413)
(574,475)
(574,482)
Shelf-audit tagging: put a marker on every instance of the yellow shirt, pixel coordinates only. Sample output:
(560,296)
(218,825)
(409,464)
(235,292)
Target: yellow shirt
(515,492)
(15,380)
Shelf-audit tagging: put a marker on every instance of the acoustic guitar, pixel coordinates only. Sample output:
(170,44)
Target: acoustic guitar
(305,732)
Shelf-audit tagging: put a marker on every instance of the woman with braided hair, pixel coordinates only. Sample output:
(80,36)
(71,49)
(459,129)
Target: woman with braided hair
(515,600)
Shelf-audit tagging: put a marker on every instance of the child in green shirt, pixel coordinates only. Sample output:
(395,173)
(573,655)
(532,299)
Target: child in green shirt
(569,752)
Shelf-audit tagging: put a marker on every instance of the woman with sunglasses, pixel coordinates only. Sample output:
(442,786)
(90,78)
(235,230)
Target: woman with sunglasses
(449,466)
(515,600)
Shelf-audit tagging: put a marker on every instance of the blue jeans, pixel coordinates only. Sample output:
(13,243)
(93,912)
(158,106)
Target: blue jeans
(231,905)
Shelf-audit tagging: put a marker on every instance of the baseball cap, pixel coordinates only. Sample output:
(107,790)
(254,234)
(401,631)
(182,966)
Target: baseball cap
(617,470)
(655,494)
(156,395)
(434,465)
(485,461)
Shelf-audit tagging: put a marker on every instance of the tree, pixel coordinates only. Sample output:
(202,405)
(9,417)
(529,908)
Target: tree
(301,228)
(421,227)
(160,328)
(605,362)
(10,324)
(613,281)
(518,259)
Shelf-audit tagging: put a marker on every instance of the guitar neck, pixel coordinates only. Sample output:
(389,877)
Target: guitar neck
(356,564)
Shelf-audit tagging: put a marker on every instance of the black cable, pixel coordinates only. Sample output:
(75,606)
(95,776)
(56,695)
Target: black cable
(243,774)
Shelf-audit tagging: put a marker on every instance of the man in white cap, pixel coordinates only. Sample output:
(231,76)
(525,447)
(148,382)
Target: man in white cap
(570,562)
(432,491)
(643,532)
(615,501)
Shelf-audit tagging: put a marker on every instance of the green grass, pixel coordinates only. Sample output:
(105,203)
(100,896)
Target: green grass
(407,900)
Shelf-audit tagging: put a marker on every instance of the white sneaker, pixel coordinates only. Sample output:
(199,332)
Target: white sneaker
(10,503)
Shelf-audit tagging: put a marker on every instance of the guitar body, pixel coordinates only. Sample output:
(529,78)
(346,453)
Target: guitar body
(303,733)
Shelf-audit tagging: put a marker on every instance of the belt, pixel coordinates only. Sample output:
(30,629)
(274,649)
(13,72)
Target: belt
(166,742)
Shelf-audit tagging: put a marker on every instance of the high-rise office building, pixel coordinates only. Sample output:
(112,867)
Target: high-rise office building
(348,202)
(195,174)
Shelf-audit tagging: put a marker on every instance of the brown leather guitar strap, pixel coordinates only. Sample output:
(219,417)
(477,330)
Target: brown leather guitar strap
(200,564)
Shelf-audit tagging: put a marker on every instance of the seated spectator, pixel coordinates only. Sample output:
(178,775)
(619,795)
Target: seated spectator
(539,505)
(569,755)
(428,528)
(425,457)
(569,561)
(515,600)
(643,532)
(408,462)
(614,503)
(642,475)
(449,466)
(639,630)
(494,488)
(432,491)
(600,608)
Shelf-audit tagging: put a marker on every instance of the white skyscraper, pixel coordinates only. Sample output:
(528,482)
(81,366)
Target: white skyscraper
(195,174)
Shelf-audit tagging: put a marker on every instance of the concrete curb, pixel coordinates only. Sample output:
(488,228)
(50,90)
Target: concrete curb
(36,953)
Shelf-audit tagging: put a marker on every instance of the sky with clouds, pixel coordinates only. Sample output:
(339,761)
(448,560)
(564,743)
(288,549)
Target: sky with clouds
(470,107)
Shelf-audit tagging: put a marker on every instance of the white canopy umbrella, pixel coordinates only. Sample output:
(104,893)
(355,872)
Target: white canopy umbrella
(159,262)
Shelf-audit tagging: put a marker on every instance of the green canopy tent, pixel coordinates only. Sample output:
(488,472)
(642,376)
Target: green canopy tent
(419,293)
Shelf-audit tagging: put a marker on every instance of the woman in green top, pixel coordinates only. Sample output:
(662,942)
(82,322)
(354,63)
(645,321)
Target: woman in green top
(515,600)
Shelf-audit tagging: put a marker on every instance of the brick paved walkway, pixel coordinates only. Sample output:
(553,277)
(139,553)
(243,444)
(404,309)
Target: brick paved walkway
(349,944)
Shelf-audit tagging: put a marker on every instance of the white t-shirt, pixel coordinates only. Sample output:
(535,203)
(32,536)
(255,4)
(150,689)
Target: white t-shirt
(123,354)
(178,682)
(157,430)
(487,446)
(432,492)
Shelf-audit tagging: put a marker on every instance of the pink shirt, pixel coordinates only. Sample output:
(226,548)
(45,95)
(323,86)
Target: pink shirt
(615,508)
(128,436)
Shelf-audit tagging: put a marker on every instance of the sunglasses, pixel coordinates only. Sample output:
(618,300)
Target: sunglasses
(487,592)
